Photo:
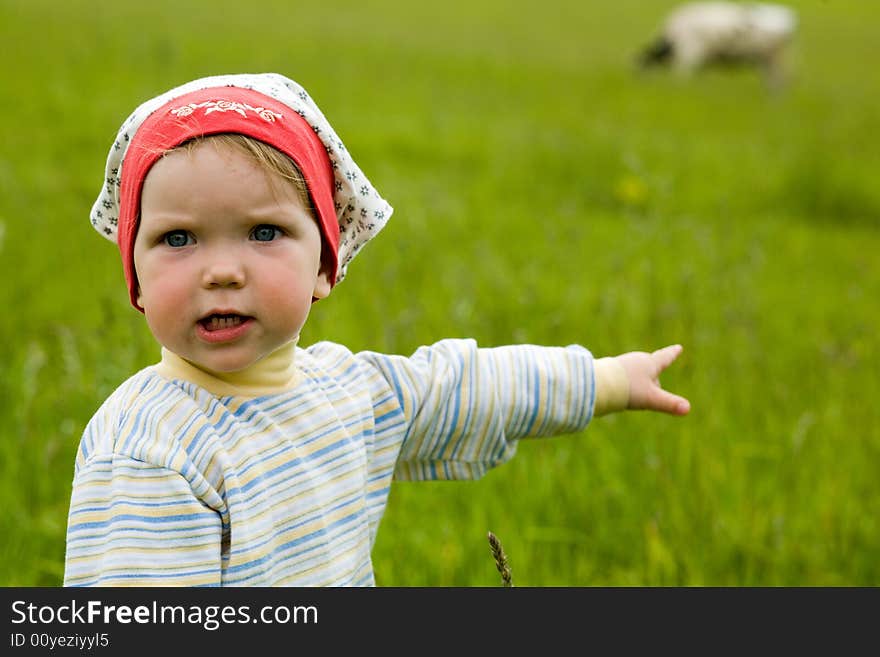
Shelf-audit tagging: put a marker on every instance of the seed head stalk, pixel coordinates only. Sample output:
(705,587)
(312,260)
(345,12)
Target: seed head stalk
(501,562)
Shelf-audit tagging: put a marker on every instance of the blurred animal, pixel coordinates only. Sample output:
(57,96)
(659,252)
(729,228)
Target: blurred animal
(702,34)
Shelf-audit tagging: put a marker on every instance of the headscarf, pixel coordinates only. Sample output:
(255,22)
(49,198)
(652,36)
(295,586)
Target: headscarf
(268,107)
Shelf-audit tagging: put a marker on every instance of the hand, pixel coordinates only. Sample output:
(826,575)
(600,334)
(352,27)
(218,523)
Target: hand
(644,371)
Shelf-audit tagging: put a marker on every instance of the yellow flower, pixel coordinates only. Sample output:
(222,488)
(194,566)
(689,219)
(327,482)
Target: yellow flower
(631,191)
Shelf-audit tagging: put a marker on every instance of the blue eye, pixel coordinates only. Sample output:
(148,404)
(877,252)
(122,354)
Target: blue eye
(265,233)
(176,238)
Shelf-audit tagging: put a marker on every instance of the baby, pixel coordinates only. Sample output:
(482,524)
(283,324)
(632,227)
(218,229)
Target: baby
(242,459)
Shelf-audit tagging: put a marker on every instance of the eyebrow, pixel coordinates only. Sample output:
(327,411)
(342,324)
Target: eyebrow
(163,221)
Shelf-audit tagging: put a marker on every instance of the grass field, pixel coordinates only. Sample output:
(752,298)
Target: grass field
(544,192)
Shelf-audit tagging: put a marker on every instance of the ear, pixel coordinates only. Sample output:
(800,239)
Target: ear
(140,297)
(322,284)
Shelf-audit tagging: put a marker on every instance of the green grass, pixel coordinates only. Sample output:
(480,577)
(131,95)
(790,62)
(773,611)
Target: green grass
(544,193)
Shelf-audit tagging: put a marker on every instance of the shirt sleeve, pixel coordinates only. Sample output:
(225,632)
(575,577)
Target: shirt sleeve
(132,523)
(464,407)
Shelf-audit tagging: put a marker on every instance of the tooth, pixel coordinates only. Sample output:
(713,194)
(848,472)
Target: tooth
(217,322)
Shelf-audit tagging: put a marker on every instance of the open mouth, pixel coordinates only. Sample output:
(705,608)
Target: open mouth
(220,322)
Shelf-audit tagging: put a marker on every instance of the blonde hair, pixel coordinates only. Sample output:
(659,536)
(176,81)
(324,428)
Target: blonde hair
(266,156)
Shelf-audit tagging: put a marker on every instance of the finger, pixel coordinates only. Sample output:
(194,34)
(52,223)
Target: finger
(666,402)
(666,356)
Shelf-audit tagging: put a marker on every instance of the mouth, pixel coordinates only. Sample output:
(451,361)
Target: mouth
(221,321)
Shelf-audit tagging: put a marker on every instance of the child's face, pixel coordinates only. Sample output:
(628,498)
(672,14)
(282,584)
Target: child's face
(228,259)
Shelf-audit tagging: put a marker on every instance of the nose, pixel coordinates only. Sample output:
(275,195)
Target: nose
(223,271)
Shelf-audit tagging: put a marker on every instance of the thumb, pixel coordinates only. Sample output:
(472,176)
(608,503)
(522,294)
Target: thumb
(664,357)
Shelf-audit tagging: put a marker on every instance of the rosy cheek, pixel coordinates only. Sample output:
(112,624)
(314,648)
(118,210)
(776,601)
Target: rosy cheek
(167,295)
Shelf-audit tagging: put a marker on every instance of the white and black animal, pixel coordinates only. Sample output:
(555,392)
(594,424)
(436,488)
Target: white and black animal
(702,34)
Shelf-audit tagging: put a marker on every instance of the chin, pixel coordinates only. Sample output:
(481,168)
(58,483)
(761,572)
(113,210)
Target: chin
(227,363)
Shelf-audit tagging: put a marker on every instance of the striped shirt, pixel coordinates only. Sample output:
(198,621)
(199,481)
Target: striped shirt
(185,481)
